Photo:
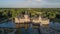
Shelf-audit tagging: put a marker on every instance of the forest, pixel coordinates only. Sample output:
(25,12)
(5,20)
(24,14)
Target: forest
(51,13)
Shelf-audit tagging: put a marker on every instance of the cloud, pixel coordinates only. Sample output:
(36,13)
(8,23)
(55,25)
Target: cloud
(52,1)
(38,0)
(29,3)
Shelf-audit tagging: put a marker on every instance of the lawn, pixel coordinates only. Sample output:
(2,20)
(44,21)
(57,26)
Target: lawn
(56,20)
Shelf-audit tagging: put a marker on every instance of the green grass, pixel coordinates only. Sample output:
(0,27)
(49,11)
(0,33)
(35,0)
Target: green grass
(18,31)
(35,27)
(56,20)
(0,32)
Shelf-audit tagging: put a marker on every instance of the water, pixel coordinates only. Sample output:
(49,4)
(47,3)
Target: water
(31,30)
(55,25)
(8,24)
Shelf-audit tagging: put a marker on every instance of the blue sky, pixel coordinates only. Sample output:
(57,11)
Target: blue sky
(29,3)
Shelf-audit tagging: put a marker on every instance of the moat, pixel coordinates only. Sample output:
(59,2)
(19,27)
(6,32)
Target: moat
(10,28)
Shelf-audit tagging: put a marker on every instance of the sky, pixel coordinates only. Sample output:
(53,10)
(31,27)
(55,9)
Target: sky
(29,3)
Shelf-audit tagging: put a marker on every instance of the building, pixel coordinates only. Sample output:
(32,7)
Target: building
(26,20)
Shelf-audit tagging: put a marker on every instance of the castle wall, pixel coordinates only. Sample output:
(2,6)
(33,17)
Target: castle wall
(35,21)
(22,20)
(27,19)
(16,20)
(45,21)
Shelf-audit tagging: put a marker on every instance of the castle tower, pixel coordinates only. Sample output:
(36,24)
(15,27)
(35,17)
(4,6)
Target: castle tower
(26,14)
(40,18)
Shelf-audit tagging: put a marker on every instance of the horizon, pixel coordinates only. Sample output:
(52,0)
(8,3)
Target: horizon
(29,3)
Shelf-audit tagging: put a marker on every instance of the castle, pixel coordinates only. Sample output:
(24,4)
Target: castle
(25,20)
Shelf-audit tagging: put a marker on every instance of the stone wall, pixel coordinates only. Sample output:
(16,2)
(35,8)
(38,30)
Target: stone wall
(22,20)
(36,20)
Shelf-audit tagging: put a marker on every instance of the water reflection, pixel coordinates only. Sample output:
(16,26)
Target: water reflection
(55,25)
(10,28)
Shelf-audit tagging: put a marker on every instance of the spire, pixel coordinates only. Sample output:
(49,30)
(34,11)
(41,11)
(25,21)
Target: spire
(26,12)
(29,8)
